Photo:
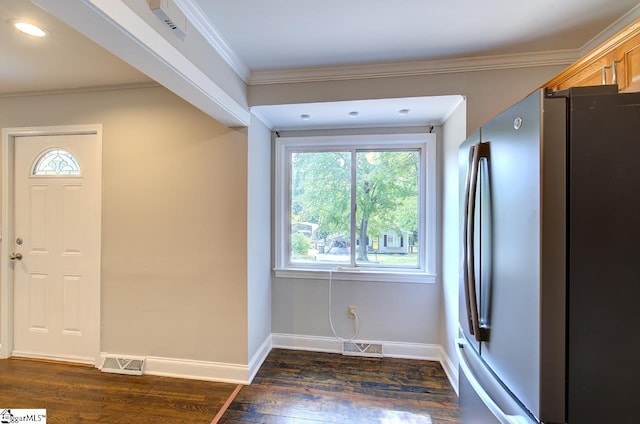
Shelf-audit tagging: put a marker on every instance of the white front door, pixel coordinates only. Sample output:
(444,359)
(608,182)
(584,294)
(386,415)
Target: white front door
(56,247)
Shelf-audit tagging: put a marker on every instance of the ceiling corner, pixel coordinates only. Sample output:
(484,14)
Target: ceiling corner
(210,33)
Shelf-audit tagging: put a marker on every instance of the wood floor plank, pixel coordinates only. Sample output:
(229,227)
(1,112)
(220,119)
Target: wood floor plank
(74,394)
(320,388)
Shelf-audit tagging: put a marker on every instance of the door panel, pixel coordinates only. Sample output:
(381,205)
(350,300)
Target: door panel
(483,400)
(73,198)
(604,234)
(512,349)
(57,229)
(38,317)
(72,322)
(38,201)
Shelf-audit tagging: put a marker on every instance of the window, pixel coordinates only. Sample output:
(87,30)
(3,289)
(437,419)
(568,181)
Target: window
(356,203)
(56,162)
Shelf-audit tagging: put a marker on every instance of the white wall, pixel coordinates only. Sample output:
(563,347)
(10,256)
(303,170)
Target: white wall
(393,312)
(259,236)
(192,47)
(454,133)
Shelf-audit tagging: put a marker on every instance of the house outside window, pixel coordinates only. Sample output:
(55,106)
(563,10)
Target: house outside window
(364,205)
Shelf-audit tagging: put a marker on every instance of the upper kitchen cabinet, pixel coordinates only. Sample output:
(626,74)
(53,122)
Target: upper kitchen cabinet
(616,61)
(628,68)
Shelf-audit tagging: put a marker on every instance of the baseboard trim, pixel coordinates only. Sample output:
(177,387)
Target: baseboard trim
(259,357)
(205,370)
(193,369)
(450,369)
(419,351)
(56,358)
(310,343)
(244,374)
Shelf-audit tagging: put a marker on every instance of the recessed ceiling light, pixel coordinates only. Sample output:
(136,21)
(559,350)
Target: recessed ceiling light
(305,117)
(403,111)
(354,113)
(29,29)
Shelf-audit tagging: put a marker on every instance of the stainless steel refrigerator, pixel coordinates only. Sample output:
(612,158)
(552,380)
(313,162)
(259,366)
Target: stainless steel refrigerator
(550,261)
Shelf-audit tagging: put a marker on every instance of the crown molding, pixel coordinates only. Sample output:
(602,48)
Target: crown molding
(75,90)
(625,20)
(210,33)
(415,68)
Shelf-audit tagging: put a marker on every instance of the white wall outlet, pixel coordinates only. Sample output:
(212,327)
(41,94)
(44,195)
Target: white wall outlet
(351,312)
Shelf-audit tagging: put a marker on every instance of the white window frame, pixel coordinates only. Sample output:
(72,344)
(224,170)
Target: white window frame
(425,143)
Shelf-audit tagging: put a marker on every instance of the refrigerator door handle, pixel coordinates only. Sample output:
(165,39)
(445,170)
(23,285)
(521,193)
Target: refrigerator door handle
(495,409)
(480,150)
(465,239)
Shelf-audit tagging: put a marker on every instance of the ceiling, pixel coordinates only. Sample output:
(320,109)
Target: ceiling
(281,35)
(399,112)
(64,60)
(304,33)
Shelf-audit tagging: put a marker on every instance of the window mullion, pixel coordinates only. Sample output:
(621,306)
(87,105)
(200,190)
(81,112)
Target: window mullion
(354,240)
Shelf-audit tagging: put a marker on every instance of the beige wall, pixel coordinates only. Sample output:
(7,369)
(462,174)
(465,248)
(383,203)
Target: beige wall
(487,92)
(174,221)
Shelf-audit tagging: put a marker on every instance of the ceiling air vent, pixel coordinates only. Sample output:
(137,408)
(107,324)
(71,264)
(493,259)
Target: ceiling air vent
(122,365)
(171,15)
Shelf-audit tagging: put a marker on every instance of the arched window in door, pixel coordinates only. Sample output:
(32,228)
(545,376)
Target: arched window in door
(56,162)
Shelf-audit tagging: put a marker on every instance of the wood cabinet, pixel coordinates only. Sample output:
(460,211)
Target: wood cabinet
(627,58)
(616,61)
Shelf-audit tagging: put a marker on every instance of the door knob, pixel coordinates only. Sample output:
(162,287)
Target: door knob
(16,256)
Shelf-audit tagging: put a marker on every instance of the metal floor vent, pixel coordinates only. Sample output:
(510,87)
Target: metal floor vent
(119,365)
(362,349)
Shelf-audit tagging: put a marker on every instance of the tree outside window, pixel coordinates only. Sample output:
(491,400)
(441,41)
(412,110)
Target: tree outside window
(358,204)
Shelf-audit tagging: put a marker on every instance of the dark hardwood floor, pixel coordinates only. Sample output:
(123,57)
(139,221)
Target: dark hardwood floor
(81,394)
(293,387)
(312,388)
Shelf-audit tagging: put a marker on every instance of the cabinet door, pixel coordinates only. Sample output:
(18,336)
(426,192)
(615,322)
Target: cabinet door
(628,65)
(597,72)
(621,51)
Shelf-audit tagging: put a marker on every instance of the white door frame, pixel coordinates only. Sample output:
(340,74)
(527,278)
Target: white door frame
(6,227)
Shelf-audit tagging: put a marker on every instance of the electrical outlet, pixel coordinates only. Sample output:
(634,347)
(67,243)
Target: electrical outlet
(351,312)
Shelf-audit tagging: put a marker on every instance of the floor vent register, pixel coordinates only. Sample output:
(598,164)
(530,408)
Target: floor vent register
(121,365)
(362,349)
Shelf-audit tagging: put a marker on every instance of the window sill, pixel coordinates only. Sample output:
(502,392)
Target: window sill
(363,275)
